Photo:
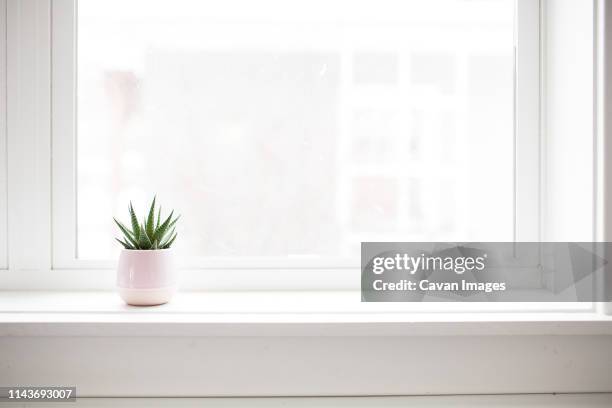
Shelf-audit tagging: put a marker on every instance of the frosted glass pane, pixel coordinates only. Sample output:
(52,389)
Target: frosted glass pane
(296,128)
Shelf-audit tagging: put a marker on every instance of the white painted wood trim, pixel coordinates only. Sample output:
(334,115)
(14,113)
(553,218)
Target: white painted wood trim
(603,143)
(604,115)
(63,52)
(569,114)
(294,344)
(284,313)
(294,325)
(28,133)
(197,366)
(527,140)
(3,142)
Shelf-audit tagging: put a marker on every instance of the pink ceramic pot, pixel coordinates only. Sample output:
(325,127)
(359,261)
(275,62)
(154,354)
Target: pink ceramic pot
(146,277)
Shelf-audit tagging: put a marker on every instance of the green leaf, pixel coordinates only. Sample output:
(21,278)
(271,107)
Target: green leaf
(135,227)
(125,244)
(165,242)
(126,232)
(173,222)
(170,226)
(150,220)
(150,234)
(161,231)
(145,241)
(170,243)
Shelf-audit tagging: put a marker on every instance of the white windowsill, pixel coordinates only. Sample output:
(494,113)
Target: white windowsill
(297,344)
(282,314)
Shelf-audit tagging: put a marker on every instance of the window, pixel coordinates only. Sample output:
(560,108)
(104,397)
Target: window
(287,132)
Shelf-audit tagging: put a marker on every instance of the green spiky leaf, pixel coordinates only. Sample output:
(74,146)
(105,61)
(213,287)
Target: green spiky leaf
(150,228)
(170,242)
(161,231)
(125,244)
(169,237)
(145,241)
(134,220)
(162,235)
(126,232)
(150,234)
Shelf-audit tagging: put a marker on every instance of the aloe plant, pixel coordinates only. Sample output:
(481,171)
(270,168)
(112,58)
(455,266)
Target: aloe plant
(150,233)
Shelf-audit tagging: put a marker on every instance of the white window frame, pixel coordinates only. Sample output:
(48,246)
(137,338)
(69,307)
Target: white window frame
(45,213)
(28,135)
(3,142)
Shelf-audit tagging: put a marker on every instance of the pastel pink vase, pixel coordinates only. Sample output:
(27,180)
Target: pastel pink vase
(146,277)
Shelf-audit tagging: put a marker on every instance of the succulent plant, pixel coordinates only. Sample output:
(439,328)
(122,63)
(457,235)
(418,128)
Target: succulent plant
(150,234)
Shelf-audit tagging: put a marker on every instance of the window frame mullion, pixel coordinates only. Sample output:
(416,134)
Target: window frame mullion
(28,94)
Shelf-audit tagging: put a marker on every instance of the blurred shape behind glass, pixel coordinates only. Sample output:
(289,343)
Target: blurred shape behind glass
(296,128)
